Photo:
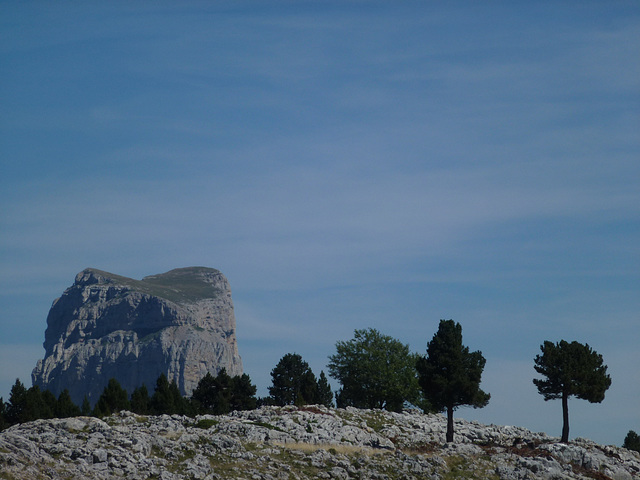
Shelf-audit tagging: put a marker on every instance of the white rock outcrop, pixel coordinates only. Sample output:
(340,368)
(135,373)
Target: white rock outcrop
(289,443)
(180,323)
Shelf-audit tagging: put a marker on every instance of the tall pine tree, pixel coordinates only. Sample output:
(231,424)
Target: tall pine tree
(113,399)
(140,400)
(293,382)
(65,406)
(167,398)
(325,395)
(450,375)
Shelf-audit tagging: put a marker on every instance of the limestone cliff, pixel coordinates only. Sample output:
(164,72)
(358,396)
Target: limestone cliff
(180,323)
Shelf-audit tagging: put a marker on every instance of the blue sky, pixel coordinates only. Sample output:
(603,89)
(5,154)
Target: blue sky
(346,165)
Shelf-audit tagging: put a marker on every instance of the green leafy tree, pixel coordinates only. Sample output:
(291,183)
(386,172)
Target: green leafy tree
(140,400)
(113,399)
(570,369)
(325,395)
(65,406)
(376,371)
(293,382)
(632,441)
(450,374)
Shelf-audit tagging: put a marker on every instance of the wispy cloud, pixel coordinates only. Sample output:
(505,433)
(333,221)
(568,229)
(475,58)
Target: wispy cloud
(344,167)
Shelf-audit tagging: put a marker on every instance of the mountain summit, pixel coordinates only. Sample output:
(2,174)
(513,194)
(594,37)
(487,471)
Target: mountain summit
(180,323)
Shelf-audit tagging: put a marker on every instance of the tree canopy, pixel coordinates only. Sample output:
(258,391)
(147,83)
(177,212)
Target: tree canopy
(632,441)
(450,374)
(221,394)
(167,398)
(140,401)
(570,369)
(114,398)
(293,382)
(325,395)
(375,370)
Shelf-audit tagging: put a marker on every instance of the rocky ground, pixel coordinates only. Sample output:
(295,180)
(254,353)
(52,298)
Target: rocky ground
(298,443)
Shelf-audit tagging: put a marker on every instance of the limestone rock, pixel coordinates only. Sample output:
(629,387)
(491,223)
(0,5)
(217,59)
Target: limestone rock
(299,443)
(180,323)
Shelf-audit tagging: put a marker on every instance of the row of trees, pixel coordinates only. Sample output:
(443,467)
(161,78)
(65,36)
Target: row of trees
(374,370)
(28,404)
(216,395)
(293,384)
(377,371)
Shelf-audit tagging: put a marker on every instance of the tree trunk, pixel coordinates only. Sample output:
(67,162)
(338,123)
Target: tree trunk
(565,418)
(449,424)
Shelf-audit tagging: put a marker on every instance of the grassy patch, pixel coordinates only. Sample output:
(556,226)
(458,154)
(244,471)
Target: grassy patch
(183,285)
(178,466)
(376,421)
(7,476)
(224,466)
(157,452)
(267,425)
(206,423)
(461,468)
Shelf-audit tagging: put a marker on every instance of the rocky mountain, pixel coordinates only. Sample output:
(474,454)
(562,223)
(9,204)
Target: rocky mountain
(289,443)
(180,323)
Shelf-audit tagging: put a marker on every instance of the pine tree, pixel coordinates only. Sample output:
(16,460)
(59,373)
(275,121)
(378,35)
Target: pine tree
(243,395)
(46,401)
(3,413)
(204,394)
(213,394)
(85,408)
(114,398)
(571,369)
(30,404)
(65,406)
(293,382)
(140,400)
(17,404)
(325,395)
(631,441)
(167,398)
(180,403)
(161,400)
(450,375)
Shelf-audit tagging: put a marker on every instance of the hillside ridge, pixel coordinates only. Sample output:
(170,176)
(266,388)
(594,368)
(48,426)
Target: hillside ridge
(287,443)
(180,285)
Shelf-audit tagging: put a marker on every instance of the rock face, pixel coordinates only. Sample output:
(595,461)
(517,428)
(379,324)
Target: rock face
(180,323)
(292,443)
